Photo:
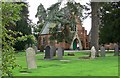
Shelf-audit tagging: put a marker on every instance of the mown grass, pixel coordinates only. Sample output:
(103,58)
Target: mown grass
(74,66)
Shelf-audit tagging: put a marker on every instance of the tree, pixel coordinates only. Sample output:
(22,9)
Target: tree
(10,14)
(95,26)
(23,27)
(41,14)
(109,28)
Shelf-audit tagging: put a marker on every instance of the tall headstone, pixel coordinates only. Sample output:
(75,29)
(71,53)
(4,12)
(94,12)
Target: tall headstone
(102,49)
(30,58)
(93,52)
(47,52)
(116,50)
(53,49)
(60,53)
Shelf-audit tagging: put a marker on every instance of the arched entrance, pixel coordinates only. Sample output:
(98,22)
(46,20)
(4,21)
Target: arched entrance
(75,44)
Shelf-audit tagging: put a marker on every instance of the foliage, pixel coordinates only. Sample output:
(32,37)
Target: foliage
(23,27)
(110,22)
(10,14)
(27,39)
(41,14)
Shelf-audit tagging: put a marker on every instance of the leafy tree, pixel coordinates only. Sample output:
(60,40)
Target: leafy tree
(23,27)
(109,29)
(41,14)
(10,14)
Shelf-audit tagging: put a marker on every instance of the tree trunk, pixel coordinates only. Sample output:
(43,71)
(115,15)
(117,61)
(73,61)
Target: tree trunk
(95,27)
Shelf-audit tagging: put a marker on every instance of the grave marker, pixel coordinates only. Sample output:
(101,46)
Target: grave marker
(60,53)
(93,51)
(102,49)
(47,52)
(30,58)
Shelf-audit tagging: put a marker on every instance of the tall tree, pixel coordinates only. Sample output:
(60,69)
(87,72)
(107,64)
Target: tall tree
(10,14)
(23,27)
(109,28)
(95,26)
(41,15)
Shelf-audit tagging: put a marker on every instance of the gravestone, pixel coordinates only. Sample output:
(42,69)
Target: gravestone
(60,53)
(47,52)
(102,49)
(93,51)
(116,50)
(52,50)
(30,58)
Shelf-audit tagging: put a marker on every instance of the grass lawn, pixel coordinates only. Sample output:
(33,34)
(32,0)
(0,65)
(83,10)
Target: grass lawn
(74,66)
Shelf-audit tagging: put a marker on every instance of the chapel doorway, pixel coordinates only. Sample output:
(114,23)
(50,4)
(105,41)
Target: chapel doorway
(75,42)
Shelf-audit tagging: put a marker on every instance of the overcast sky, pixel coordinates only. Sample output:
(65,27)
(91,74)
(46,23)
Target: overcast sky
(33,4)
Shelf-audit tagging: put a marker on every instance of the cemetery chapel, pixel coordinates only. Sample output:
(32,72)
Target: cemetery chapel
(80,37)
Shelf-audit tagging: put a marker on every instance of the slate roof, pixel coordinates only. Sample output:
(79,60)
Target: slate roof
(45,29)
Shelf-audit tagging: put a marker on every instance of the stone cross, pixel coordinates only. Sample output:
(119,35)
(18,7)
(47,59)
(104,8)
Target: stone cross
(30,58)
(93,52)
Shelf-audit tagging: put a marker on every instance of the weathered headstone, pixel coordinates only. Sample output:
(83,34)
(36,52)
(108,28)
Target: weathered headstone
(60,53)
(47,52)
(52,50)
(93,51)
(116,50)
(102,49)
(30,58)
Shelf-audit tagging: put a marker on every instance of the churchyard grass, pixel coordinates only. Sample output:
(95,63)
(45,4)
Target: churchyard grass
(69,66)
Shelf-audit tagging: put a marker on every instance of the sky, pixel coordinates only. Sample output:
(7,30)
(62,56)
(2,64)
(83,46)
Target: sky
(33,4)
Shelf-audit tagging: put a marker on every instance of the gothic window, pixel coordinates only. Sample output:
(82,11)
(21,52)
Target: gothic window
(43,41)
